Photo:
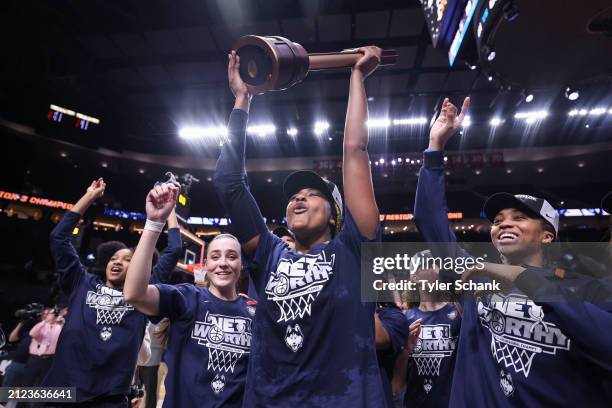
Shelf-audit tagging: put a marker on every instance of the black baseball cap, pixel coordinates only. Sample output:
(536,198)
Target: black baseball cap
(606,203)
(282,231)
(302,179)
(530,204)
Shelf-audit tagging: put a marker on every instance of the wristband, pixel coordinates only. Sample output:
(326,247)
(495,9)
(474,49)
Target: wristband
(154,226)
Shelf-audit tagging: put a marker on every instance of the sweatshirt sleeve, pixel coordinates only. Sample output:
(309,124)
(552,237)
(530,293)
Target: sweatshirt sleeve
(430,209)
(230,181)
(67,261)
(168,258)
(587,323)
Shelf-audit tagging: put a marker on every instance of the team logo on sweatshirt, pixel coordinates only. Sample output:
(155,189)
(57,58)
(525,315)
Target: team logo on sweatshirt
(427,385)
(505,382)
(519,331)
(295,284)
(294,338)
(227,339)
(435,343)
(106,333)
(218,383)
(109,304)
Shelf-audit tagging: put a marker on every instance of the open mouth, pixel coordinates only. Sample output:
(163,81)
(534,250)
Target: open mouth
(299,209)
(507,237)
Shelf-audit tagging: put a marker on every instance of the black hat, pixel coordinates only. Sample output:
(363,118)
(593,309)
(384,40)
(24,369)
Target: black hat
(530,204)
(282,231)
(302,179)
(606,203)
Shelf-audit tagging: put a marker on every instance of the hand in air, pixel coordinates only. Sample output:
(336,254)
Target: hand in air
(370,60)
(161,201)
(96,189)
(447,123)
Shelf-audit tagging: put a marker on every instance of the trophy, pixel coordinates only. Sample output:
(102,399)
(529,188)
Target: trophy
(276,63)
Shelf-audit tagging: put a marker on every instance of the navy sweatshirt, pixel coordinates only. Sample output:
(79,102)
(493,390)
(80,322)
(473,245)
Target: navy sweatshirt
(98,347)
(313,338)
(514,352)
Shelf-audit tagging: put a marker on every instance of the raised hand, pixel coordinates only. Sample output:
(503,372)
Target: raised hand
(369,62)
(413,335)
(161,201)
(236,84)
(96,189)
(447,123)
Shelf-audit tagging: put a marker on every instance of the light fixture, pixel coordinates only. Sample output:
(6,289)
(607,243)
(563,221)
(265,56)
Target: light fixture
(540,170)
(410,121)
(197,132)
(467,121)
(141,171)
(495,122)
(529,98)
(571,93)
(262,130)
(508,171)
(581,164)
(491,56)
(379,123)
(269,180)
(104,164)
(63,154)
(320,127)
(292,131)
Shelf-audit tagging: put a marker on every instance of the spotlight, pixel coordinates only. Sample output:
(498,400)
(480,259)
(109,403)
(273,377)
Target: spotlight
(399,160)
(581,164)
(320,127)
(491,56)
(540,170)
(495,122)
(269,180)
(393,162)
(529,98)
(572,94)
(262,130)
(292,131)
(490,78)
(63,154)
(467,121)
(104,164)
(381,160)
(379,123)
(508,171)
(141,171)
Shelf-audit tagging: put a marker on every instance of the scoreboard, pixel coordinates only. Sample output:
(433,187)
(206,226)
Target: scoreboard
(79,120)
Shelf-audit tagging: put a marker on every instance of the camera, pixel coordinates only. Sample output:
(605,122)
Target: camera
(136,391)
(32,311)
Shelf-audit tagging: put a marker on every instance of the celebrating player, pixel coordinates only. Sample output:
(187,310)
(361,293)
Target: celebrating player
(515,349)
(313,343)
(98,347)
(429,377)
(210,332)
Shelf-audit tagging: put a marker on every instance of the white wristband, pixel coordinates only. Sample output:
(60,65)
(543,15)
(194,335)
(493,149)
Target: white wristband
(154,226)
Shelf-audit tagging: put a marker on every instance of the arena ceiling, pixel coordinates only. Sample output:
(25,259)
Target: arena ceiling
(147,69)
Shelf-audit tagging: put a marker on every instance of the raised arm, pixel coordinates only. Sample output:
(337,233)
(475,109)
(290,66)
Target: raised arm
(430,209)
(169,257)
(137,291)
(356,172)
(230,174)
(66,258)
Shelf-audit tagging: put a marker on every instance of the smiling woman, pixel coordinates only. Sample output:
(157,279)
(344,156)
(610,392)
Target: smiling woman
(210,330)
(101,328)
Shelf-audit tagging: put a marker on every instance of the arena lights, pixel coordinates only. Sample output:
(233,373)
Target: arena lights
(529,98)
(410,121)
(261,130)
(571,94)
(467,121)
(495,122)
(599,111)
(320,127)
(531,116)
(379,123)
(292,131)
(196,132)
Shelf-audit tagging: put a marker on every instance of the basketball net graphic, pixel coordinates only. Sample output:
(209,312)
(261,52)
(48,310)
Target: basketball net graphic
(222,358)
(512,356)
(108,315)
(298,305)
(428,364)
